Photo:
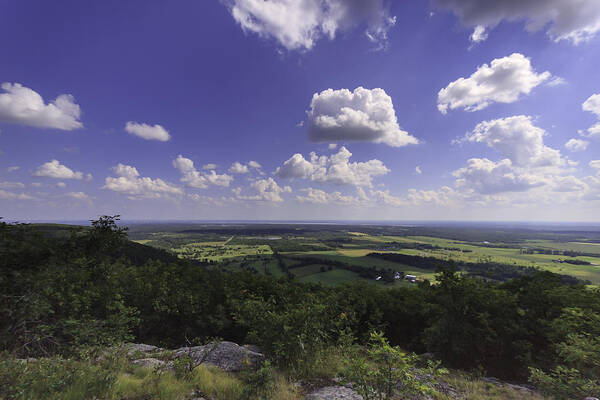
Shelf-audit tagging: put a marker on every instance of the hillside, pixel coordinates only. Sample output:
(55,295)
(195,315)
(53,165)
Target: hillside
(64,300)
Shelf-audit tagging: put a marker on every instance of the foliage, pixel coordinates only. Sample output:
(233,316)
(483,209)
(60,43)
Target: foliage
(54,379)
(62,294)
(260,384)
(385,371)
(576,374)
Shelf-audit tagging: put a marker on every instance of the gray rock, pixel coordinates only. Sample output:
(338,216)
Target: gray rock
(225,355)
(149,363)
(133,348)
(333,393)
(591,398)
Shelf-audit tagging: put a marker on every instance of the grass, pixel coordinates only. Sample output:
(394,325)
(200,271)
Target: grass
(212,252)
(331,278)
(217,248)
(476,389)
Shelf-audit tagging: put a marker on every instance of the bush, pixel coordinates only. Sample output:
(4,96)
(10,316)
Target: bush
(54,378)
(385,371)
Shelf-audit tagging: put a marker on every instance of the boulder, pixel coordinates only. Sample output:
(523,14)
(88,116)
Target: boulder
(150,363)
(225,355)
(132,348)
(333,393)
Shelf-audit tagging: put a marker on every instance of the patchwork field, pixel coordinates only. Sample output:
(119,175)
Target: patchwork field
(337,254)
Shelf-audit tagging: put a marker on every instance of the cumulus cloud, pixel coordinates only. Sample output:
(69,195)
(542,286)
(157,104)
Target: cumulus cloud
(299,24)
(595,164)
(265,190)
(238,168)
(488,177)
(196,179)
(517,139)
(12,169)
(365,115)
(336,169)
(576,145)
(61,185)
(24,106)
(80,196)
(318,196)
(503,81)
(148,132)
(254,164)
(568,184)
(11,185)
(444,196)
(130,183)
(479,34)
(4,195)
(418,170)
(592,104)
(573,20)
(209,166)
(54,169)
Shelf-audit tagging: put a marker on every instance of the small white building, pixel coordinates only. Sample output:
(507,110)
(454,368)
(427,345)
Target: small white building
(411,278)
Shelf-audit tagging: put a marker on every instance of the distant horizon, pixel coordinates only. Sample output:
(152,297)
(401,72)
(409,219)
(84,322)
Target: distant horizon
(329,222)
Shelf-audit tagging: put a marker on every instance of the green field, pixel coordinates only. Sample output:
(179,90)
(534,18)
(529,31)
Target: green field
(243,247)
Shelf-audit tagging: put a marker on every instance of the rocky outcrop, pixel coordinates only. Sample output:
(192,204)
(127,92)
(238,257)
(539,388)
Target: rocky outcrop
(333,393)
(132,349)
(225,355)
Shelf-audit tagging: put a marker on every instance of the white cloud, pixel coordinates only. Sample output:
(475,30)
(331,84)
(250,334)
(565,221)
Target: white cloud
(4,195)
(336,169)
(517,139)
(148,132)
(332,146)
(479,34)
(576,145)
(318,196)
(572,20)
(54,169)
(418,170)
(61,185)
(503,81)
(488,177)
(295,167)
(556,81)
(594,130)
(595,164)
(238,168)
(365,115)
(444,196)
(254,164)
(568,184)
(12,169)
(23,106)
(129,182)
(299,24)
(209,166)
(196,179)
(80,196)
(592,104)
(11,185)
(266,190)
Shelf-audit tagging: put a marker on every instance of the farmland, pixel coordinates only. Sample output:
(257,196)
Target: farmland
(335,254)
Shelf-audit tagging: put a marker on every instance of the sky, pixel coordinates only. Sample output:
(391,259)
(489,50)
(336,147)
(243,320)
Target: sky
(300,110)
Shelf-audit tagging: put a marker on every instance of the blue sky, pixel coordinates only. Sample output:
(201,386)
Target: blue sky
(449,109)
